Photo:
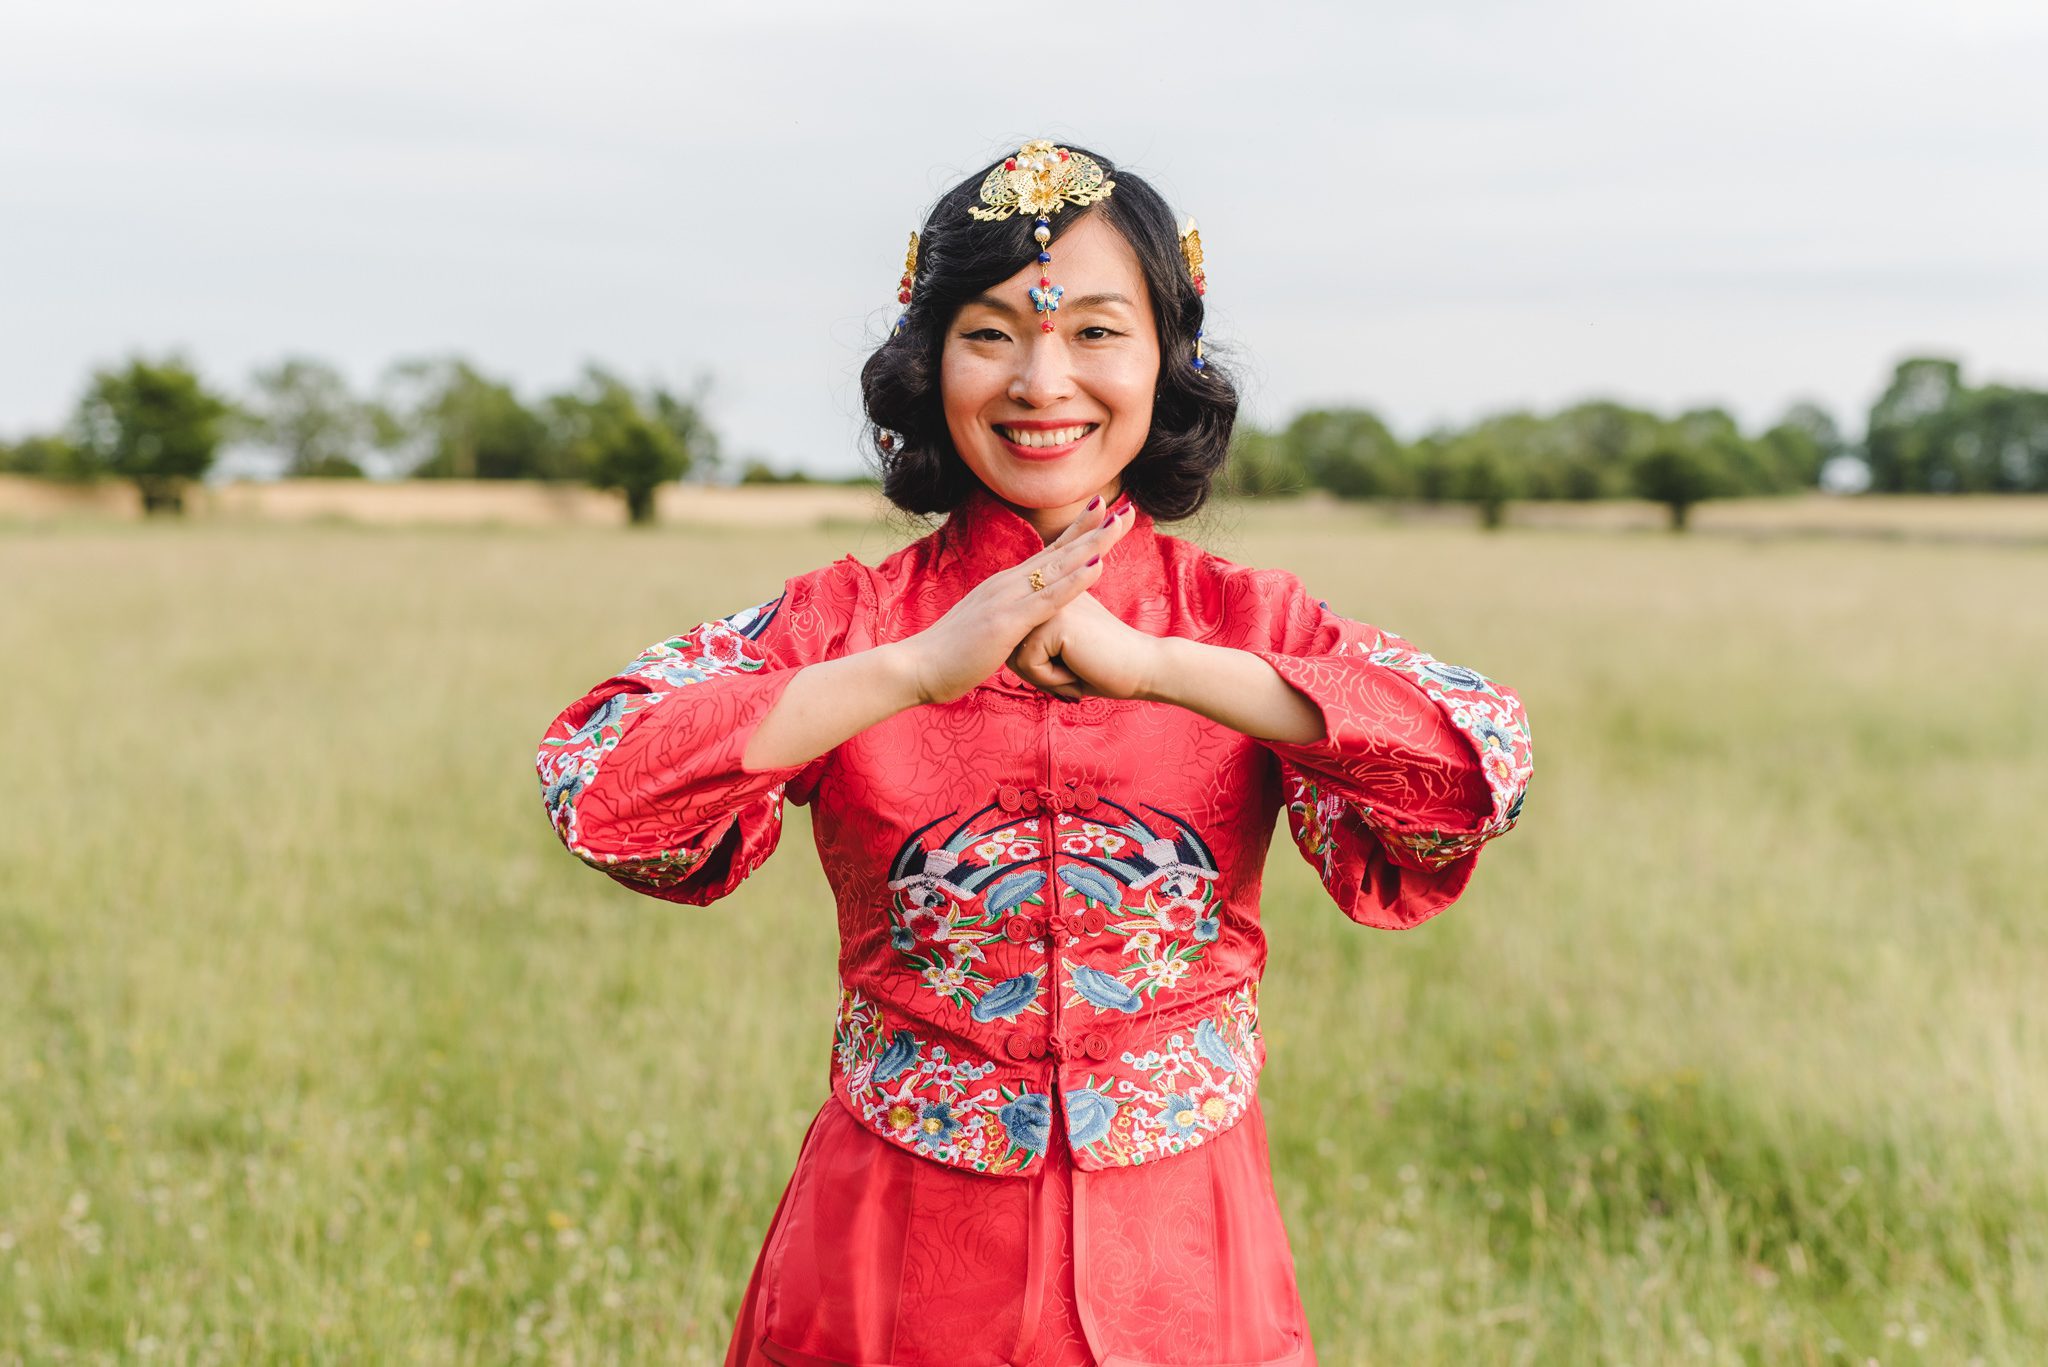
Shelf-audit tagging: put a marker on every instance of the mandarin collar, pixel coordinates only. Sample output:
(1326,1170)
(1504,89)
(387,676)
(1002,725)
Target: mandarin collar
(985,534)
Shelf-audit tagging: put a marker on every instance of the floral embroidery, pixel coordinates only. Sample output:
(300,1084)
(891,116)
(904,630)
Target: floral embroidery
(1496,723)
(917,1094)
(1167,927)
(949,908)
(567,764)
(1177,1096)
(1490,717)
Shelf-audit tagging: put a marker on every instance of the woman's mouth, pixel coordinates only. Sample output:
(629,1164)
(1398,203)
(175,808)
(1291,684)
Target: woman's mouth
(1043,443)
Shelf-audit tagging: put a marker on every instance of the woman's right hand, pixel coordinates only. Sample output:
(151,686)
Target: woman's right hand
(962,649)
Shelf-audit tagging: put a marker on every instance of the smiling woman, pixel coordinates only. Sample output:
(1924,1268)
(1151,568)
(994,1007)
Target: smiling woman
(1053,414)
(1045,747)
(993,354)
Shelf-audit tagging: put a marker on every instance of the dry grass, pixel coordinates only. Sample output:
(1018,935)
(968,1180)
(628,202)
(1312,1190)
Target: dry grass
(315,1047)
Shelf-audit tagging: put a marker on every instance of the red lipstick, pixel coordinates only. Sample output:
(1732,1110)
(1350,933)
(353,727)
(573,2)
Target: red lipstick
(1042,425)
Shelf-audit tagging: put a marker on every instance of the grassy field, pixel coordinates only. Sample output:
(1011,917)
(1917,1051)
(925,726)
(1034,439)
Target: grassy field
(314,1046)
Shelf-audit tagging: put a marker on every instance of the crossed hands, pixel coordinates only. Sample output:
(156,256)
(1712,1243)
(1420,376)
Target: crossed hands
(1058,637)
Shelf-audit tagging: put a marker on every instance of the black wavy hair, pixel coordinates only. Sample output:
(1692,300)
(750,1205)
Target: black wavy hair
(958,257)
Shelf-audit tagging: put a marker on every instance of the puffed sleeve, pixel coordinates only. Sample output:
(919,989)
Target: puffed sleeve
(1422,762)
(642,775)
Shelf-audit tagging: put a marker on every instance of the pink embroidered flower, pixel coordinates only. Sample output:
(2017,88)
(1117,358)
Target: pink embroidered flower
(1178,915)
(1077,844)
(723,647)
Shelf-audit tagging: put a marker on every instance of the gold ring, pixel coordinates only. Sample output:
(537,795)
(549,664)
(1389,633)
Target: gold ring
(1037,580)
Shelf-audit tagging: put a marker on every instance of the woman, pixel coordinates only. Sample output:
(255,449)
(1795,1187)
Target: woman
(1045,747)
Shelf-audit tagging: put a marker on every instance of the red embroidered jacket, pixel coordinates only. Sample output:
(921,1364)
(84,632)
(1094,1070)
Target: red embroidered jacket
(1045,902)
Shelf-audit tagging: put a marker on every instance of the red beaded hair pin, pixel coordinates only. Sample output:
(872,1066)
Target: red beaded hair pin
(903,287)
(1037,181)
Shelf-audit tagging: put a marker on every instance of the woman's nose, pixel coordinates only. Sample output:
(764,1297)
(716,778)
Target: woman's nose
(1045,378)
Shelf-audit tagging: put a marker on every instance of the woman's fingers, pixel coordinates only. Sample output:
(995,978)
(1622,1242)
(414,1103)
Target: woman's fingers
(1057,561)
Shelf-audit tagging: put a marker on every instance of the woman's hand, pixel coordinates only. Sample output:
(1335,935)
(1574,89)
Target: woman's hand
(959,651)
(1085,650)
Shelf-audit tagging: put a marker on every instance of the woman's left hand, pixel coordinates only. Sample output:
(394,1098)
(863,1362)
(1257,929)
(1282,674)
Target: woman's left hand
(1084,650)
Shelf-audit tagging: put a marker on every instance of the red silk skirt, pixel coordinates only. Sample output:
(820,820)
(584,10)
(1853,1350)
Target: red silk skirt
(876,1257)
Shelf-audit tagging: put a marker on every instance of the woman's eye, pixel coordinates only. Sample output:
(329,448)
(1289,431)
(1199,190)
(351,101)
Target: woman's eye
(1106,332)
(983,335)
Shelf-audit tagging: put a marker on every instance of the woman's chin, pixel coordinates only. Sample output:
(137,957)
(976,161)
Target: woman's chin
(1043,484)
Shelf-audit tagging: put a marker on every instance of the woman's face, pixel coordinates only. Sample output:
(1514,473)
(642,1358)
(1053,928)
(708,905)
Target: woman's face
(1047,420)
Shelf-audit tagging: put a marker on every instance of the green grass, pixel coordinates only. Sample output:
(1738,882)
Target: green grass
(315,1046)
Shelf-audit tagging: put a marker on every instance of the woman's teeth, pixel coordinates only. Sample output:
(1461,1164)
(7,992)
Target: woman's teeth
(1058,436)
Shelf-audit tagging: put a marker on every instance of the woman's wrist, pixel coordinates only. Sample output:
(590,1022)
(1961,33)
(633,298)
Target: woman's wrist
(1234,688)
(900,671)
(1172,661)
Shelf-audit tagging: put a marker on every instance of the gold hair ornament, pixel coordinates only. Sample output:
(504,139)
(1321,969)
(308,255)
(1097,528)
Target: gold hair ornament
(1191,251)
(1037,181)
(903,286)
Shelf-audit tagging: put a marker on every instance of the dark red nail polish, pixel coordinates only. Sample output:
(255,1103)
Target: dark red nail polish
(1094,503)
(1097,560)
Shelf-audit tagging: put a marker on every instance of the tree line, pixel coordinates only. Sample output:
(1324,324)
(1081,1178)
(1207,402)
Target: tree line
(1928,433)
(158,424)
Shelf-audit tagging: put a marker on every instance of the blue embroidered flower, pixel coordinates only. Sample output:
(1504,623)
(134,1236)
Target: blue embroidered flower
(1207,928)
(1101,990)
(1210,1044)
(903,938)
(1179,1115)
(564,788)
(1029,1121)
(1007,999)
(606,714)
(1453,676)
(935,1125)
(899,1055)
(1088,1115)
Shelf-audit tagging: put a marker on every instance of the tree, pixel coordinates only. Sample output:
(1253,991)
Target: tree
(52,456)
(758,471)
(683,415)
(155,424)
(1348,451)
(1999,437)
(1900,444)
(1592,447)
(617,440)
(303,407)
(1260,466)
(1479,466)
(1679,474)
(448,421)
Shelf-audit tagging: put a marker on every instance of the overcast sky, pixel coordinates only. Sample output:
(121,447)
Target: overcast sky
(1435,210)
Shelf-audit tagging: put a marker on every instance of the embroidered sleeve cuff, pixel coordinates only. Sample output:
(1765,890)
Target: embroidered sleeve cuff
(644,779)
(1435,758)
